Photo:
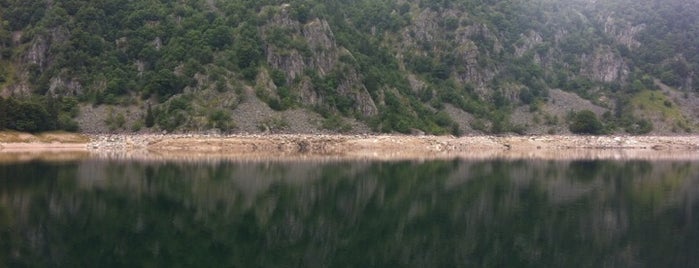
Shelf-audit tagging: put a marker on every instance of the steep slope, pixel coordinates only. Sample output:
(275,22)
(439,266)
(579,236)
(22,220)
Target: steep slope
(410,66)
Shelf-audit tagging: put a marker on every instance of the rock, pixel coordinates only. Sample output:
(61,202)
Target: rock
(605,66)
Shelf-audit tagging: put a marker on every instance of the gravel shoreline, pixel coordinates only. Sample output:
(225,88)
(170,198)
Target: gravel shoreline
(398,146)
(297,146)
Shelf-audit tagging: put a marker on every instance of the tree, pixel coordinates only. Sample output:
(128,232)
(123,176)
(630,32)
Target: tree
(3,113)
(150,119)
(248,51)
(219,37)
(53,108)
(586,122)
(164,83)
(31,117)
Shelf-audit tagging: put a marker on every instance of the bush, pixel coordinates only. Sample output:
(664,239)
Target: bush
(641,126)
(115,121)
(275,104)
(30,115)
(173,114)
(171,121)
(273,124)
(336,123)
(137,126)
(221,120)
(586,122)
(65,122)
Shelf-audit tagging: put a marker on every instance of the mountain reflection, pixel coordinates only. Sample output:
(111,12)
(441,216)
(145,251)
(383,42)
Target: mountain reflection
(501,213)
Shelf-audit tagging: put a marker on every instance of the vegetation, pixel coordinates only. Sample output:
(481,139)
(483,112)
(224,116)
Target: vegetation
(220,120)
(656,105)
(586,122)
(336,123)
(273,124)
(38,114)
(485,57)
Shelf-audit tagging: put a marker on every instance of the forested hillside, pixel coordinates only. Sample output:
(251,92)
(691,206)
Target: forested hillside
(408,66)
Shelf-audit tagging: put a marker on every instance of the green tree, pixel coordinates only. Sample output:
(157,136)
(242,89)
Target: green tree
(247,47)
(164,83)
(150,118)
(31,117)
(3,113)
(219,37)
(5,38)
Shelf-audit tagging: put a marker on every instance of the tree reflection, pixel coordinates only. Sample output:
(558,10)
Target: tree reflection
(336,214)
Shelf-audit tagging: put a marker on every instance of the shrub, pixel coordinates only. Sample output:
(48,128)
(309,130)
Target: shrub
(27,115)
(32,117)
(586,122)
(113,121)
(171,121)
(273,124)
(641,126)
(336,123)
(150,118)
(221,120)
(65,122)
(137,126)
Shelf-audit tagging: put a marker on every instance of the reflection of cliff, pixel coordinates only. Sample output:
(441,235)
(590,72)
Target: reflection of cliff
(220,180)
(434,213)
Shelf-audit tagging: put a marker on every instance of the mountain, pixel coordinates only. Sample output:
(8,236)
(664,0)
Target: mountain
(409,66)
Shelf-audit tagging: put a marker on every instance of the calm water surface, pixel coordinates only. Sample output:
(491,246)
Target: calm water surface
(441,213)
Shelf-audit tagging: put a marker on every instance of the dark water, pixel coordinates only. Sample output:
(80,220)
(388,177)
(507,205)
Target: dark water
(494,213)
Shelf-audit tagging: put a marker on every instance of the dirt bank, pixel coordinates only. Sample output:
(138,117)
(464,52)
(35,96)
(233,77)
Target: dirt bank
(11,141)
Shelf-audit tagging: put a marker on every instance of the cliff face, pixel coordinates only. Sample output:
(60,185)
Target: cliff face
(604,66)
(311,47)
(409,66)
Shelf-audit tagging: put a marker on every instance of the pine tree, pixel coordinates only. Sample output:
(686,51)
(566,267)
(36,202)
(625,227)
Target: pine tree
(53,109)
(150,120)
(3,113)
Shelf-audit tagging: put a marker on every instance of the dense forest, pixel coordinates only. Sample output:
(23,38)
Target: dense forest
(439,67)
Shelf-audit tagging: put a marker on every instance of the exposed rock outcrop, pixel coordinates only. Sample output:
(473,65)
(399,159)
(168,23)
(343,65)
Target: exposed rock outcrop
(623,32)
(604,65)
(528,42)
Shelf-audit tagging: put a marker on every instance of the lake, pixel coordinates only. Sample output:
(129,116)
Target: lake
(106,212)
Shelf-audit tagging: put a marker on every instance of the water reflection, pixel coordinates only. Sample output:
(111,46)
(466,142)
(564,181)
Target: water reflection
(502,213)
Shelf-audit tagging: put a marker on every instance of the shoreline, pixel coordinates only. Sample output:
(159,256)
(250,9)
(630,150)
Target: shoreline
(380,147)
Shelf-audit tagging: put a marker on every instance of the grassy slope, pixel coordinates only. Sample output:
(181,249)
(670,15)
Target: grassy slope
(661,110)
